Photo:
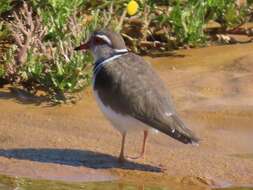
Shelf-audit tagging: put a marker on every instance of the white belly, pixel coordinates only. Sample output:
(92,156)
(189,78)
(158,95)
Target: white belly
(121,122)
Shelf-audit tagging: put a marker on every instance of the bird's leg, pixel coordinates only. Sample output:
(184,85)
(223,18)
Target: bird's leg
(121,155)
(142,154)
(144,143)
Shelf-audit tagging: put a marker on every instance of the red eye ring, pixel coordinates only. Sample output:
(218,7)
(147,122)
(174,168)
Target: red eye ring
(99,41)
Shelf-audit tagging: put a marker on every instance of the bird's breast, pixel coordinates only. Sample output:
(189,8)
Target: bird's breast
(123,123)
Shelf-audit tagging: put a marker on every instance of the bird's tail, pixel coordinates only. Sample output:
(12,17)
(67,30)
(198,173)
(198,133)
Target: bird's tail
(179,131)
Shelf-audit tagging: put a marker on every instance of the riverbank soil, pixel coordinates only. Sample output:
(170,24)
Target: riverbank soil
(212,91)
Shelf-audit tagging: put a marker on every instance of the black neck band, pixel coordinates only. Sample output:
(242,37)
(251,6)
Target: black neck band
(101,60)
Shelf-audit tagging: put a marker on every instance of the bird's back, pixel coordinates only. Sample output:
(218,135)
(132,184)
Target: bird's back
(131,87)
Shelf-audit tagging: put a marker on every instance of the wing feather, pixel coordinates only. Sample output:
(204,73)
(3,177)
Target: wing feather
(141,94)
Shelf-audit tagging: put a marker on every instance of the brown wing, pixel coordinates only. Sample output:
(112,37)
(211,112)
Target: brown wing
(130,86)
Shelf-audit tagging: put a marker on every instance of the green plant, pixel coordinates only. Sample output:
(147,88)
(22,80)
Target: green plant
(63,75)
(4,33)
(70,75)
(188,22)
(5,6)
(226,12)
(48,63)
(2,71)
(55,15)
(188,19)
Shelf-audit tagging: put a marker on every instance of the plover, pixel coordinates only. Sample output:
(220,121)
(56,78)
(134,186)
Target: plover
(130,93)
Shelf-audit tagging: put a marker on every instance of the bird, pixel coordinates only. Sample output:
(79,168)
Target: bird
(130,93)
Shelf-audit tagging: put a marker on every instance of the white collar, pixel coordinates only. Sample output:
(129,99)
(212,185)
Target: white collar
(104,62)
(121,50)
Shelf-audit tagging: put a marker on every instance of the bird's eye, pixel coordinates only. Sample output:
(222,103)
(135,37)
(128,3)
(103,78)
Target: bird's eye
(99,40)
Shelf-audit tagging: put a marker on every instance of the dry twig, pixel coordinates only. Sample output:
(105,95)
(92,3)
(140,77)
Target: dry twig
(27,32)
(22,31)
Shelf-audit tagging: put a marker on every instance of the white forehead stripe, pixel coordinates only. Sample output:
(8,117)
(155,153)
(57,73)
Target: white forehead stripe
(105,38)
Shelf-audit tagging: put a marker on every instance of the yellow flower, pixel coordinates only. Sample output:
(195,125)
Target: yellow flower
(132,7)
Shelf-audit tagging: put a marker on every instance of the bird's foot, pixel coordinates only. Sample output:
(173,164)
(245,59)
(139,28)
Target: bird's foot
(141,156)
(122,159)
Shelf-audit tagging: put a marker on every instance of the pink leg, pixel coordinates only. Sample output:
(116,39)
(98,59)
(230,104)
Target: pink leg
(121,155)
(142,154)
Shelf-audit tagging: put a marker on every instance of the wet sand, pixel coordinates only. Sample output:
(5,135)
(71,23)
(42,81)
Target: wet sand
(212,91)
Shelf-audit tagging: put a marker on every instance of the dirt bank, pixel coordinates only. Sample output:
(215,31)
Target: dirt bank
(212,91)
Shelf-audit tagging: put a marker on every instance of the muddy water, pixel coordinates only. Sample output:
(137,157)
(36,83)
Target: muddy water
(7,183)
(212,91)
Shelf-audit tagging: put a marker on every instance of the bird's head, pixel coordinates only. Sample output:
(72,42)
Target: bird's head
(104,43)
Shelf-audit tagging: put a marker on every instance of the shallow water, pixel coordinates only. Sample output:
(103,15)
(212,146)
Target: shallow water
(8,183)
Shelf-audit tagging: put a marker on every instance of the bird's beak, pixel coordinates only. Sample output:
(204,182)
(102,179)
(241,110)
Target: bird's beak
(84,46)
